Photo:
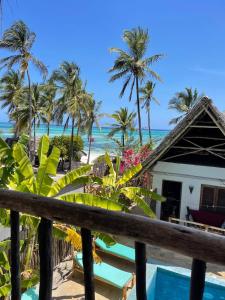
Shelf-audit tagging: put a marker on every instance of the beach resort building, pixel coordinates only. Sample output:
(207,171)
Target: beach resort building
(188,167)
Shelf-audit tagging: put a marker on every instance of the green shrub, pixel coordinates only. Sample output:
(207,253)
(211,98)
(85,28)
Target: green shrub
(63,143)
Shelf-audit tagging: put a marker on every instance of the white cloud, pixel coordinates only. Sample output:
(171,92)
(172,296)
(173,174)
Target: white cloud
(208,71)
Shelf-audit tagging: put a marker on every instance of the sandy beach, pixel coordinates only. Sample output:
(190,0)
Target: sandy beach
(93,156)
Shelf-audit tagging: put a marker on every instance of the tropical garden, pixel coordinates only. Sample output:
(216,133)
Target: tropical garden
(30,164)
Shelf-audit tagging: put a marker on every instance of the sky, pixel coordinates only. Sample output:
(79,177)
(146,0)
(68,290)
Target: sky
(190,34)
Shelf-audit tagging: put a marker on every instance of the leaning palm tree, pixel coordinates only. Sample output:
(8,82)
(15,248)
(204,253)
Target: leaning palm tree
(182,102)
(73,95)
(147,97)
(12,93)
(124,124)
(93,116)
(19,40)
(133,65)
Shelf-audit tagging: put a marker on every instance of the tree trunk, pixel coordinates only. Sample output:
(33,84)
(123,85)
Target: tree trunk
(48,128)
(90,141)
(149,125)
(139,112)
(123,142)
(34,137)
(78,129)
(30,115)
(71,144)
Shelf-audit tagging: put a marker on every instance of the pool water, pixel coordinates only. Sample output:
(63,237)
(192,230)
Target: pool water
(174,286)
(173,283)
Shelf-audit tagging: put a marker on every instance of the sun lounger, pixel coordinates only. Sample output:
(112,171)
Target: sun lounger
(30,294)
(108,274)
(117,249)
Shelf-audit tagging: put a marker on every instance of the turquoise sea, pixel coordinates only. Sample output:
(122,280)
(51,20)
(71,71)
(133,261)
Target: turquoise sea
(101,142)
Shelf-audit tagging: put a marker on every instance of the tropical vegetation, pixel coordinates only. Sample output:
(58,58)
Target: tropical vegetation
(183,101)
(147,97)
(132,66)
(19,40)
(124,124)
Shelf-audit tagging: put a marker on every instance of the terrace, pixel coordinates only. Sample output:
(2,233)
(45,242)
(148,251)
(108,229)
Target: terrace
(202,247)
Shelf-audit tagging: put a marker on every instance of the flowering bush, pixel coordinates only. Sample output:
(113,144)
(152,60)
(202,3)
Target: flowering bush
(131,158)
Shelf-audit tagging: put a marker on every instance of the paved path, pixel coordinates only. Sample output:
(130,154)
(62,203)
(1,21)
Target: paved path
(4,233)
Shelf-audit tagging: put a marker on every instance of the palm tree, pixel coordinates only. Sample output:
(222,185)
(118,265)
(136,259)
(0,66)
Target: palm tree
(133,66)
(124,124)
(183,102)
(73,96)
(12,93)
(147,97)
(48,103)
(93,116)
(19,40)
(37,110)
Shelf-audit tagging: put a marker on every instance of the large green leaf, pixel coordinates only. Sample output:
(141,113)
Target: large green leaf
(109,180)
(110,165)
(68,179)
(91,200)
(46,168)
(5,290)
(4,148)
(128,174)
(144,192)
(139,200)
(43,149)
(25,166)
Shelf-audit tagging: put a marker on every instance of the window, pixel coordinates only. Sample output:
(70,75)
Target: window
(212,198)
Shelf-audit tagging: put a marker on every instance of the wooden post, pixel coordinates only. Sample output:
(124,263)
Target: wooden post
(88,264)
(140,260)
(46,264)
(197,279)
(15,255)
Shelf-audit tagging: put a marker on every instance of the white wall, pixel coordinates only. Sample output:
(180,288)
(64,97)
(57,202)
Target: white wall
(188,175)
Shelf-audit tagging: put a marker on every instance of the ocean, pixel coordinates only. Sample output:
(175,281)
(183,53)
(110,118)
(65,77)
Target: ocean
(101,141)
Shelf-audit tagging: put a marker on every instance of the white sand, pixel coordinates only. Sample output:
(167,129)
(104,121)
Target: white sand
(93,156)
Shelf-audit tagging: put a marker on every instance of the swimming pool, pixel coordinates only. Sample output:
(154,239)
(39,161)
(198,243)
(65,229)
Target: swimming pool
(173,283)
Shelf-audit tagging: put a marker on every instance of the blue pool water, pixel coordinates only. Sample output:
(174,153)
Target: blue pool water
(174,286)
(173,283)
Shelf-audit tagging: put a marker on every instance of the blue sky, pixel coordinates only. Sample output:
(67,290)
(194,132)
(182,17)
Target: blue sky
(190,33)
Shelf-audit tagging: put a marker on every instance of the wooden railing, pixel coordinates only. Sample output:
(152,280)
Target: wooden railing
(197,225)
(201,246)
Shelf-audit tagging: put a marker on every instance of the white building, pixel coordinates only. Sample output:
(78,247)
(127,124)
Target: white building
(188,167)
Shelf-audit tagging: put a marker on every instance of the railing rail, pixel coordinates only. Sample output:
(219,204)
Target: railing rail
(201,246)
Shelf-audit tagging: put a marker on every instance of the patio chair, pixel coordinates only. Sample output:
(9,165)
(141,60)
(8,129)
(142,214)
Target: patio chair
(108,274)
(118,250)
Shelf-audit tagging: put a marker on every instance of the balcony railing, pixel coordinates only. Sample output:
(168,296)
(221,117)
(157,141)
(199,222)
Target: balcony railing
(203,247)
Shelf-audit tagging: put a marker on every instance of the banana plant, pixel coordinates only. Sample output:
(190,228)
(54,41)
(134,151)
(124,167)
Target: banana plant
(118,187)
(29,278)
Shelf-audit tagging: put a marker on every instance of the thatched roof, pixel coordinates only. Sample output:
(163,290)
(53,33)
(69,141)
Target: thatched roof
(204,105)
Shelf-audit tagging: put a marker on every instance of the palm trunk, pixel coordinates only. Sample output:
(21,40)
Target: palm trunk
(30,115)
(149,126)
(139,112)
(78,129)
(16,133)
(123,142)
(71,144)
(34,136)
(48,128)
(90,141)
